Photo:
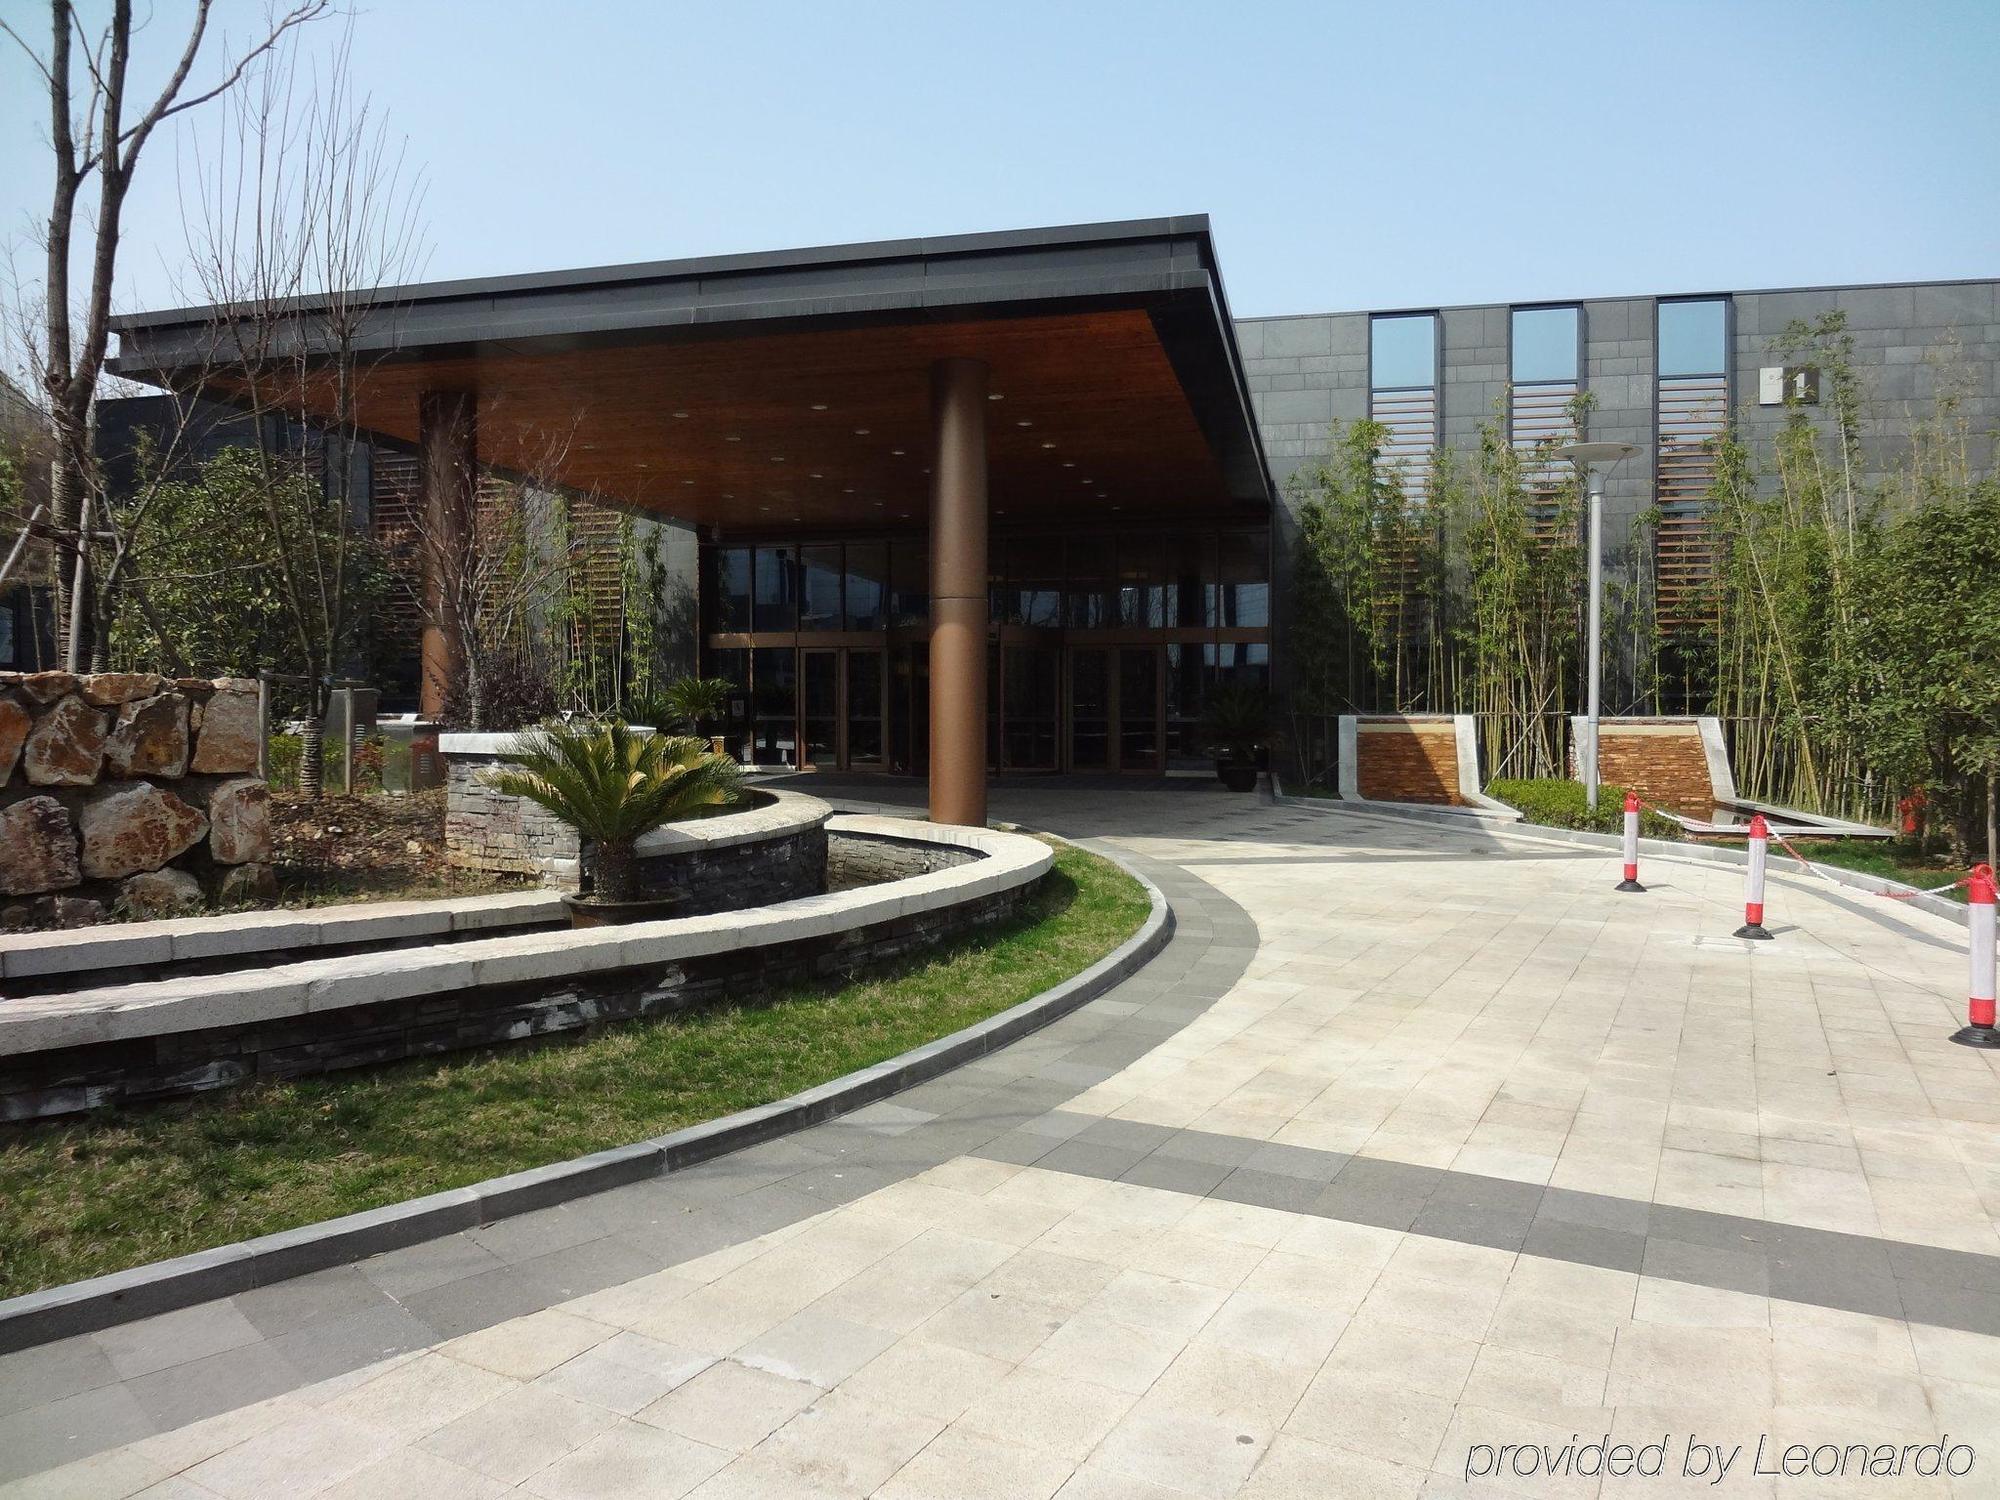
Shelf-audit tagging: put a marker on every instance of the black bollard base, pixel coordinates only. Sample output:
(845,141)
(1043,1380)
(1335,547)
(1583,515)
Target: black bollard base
(1985,1037)
(1630,885)
(1753,930)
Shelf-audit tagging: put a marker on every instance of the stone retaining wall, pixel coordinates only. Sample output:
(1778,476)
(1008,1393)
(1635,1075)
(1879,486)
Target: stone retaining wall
(869,859)
(469,1012)
(131,793)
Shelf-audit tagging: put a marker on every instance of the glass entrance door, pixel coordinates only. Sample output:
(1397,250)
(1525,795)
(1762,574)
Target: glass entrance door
(1031,700)
(1139,708)
(819,708)
(1089,709)
(865,702)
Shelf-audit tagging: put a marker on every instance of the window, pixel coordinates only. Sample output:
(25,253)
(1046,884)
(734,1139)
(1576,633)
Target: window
(1091,598)
(1244,598)
(1141,592)
(777,602)
(1545,344)
(1191,569)
(1031,590)
(732,588)
(1693,337)
(819,588)
(1402,351)
(867,584)
(909,582)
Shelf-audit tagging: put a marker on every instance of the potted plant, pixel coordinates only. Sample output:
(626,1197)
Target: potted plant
(1236,725)
(699,703)
(613,784)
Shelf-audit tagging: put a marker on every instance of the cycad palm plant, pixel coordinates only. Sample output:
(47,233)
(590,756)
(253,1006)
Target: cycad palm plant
(697,701)
(613,785)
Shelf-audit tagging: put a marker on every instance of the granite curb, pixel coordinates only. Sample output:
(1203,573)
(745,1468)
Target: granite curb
(142,1291)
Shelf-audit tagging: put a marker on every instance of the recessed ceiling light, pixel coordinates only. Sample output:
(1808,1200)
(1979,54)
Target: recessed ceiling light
(777,458)
(1048,445)
(1102,496)
(861,432)
(586,445)
(815,476)
(1068,463)
(880,503)
(687,481)
(897,451)
(680,414)
(733,438)
(995,396)
(849,490)
(644,466)
(819,406)
(903,515)
(1024,422)
(1090,481)
(763,507)
(727,496)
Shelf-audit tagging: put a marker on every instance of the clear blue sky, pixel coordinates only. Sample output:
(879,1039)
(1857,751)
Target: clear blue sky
(1350,155)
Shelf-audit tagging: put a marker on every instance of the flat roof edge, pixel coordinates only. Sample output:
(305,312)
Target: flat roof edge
(1112,232)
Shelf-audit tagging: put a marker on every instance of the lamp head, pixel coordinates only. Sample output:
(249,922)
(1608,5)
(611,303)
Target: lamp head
(1591,455)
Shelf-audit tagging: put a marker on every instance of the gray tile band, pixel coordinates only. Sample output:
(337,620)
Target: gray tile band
(1822,1267)
(63,1400)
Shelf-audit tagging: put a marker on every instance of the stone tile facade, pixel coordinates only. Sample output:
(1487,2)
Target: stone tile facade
(128,793)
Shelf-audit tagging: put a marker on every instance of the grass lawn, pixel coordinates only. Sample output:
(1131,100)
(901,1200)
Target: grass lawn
(103,1193)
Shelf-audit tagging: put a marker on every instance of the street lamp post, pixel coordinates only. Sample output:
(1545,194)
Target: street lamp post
(1593,459)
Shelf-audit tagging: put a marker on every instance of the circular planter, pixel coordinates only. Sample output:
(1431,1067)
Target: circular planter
(586,911)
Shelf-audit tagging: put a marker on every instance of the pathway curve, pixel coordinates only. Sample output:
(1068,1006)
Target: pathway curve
(1415,1142)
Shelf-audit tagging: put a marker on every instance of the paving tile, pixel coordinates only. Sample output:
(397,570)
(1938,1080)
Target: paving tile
(628,1459)
(624,1374)
(176,1338)
(731,1405)
(963,1465)
(34,1438)
(220,1383)
(1061,1415)
(518,1433)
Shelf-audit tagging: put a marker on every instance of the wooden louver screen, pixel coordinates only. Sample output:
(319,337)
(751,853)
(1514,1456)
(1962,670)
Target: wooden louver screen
(1540,417)
(1411,419)
(1692,412)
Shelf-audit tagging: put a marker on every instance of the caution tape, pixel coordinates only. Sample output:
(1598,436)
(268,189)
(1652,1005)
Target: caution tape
(1888,895)
(1786,845)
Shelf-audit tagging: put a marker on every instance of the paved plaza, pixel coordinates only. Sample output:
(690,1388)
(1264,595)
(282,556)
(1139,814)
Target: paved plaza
(1419,1163)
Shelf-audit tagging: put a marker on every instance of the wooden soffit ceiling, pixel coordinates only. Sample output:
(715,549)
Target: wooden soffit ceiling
(830,426)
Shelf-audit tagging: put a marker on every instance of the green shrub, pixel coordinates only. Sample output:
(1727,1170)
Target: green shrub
(1559,804)
(285,753)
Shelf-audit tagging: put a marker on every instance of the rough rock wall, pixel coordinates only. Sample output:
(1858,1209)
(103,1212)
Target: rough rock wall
(128,793)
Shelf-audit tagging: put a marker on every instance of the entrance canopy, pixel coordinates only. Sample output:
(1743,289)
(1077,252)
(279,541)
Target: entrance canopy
(795,387)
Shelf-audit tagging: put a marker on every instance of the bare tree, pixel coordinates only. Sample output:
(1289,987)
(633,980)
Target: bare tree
(494,557)
(302,214)
(95,131)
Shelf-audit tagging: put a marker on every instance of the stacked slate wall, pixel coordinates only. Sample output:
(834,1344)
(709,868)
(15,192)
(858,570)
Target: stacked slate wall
(127,793)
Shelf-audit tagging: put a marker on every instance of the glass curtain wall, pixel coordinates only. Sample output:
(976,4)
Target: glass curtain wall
(1105,643)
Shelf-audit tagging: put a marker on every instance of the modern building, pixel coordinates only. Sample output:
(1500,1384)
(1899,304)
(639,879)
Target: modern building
(1011,502)
(1663,372)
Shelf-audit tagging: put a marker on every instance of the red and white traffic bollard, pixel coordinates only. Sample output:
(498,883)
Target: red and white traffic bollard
(1631,880)
(1753,881)
(1979,1030)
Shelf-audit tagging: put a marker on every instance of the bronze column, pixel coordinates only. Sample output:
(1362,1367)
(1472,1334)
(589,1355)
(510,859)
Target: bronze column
(958,592)
(448,466)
